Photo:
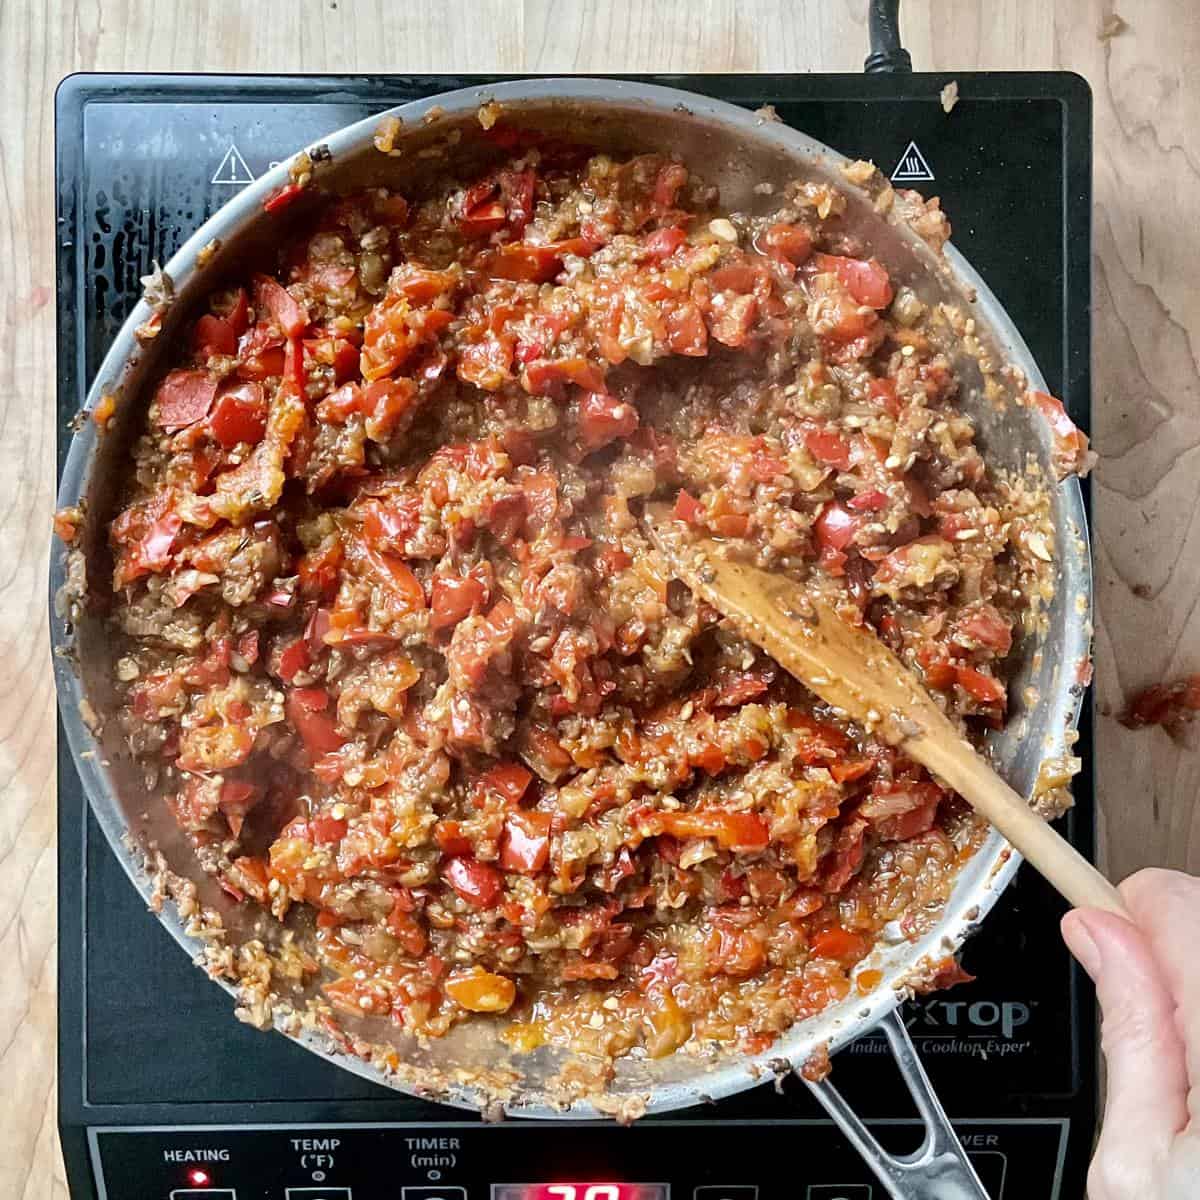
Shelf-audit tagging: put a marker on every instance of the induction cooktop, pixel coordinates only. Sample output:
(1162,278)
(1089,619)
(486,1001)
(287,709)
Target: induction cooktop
(164,1096)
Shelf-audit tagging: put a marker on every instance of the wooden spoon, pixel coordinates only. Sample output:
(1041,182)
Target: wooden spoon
(852,670)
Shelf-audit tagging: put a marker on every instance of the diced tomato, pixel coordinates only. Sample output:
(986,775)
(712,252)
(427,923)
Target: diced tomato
(848,770)
(611,560)
(482,219)
(865,279)
(486,362)
(482,991)
(251,875)
(835,526)
(541,499)
(450,838)
(395,572)
(532,263)
(509,781)
(455,598)
(305,708)
(293,363)
(386,402)
(287,313)
(238,315)
(326,829)
(477,883)
(731,322)
(668,183)
(871,501)
(318,568)
(525,847)
(689,509)
(730,950)
(686,332)
(736,689)
(898,801)
(421,285)
(294,659)
(1070,442)
(154,552)
(829,447)
(237,798)
(183,398)
(265,365)
(846,857)
(518,189)
(883,392)
(392,332)
(389,523)
(819,742)
(239,415)
(940,674)
(213,335)
(662,243)
(984,688)
(311,699)
(548,377)
(208,748)
(984,626)
(583,968)
(339,353)
(839,944)
(709,758)
(788,243)
(732,830)
(604,419)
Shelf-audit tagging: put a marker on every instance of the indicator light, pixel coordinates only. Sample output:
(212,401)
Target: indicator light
(198,1177)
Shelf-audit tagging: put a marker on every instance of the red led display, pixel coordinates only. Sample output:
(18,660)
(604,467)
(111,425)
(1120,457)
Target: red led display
(582,1191)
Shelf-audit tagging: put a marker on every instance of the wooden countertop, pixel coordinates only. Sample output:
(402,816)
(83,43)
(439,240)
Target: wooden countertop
(1147,349)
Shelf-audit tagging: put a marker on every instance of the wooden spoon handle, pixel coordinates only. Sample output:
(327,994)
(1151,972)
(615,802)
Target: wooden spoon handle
(855,673)
(960,766)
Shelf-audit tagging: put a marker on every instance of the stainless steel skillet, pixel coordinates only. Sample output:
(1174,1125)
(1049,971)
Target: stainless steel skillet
(736,150)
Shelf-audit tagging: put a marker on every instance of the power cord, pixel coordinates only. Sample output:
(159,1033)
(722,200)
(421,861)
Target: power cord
(887,54)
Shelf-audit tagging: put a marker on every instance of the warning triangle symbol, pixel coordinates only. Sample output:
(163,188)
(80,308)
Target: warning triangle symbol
(912,166)
(233,169)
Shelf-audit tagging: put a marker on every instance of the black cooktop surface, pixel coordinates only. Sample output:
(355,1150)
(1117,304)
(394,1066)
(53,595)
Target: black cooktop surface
(147,1041)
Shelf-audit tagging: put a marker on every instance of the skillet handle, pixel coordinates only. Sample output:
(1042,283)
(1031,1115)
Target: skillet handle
(939,1169)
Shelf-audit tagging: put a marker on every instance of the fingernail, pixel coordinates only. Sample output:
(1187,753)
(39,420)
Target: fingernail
(1081,943)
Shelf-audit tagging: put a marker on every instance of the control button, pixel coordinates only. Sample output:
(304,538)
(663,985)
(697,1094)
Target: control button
(433,1193)
(839,1191)
(992,1166)
(317,1193)
(727,1191)
(204,1194)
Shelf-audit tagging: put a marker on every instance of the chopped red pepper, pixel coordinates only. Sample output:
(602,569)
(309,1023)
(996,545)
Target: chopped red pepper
(282,197)
(525,847)
(477,883)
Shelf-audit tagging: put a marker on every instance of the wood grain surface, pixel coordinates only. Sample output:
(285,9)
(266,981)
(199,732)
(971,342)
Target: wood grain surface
(1147,337)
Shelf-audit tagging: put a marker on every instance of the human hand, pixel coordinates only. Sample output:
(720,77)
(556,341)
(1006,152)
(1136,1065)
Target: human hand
(1147,977)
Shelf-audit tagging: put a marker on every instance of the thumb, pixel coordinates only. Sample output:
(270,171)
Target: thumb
(1147,1078)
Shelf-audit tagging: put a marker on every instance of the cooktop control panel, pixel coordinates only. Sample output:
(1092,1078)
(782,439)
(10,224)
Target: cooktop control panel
(651,1160)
